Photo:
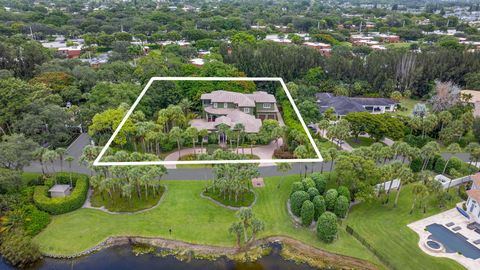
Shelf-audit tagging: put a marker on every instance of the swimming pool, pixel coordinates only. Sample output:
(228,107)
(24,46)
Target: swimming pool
(453,242)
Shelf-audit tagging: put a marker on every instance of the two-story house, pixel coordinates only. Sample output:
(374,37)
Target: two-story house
(231,108)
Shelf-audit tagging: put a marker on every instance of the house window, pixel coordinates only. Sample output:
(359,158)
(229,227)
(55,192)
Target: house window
(246,110)
(225,105)
(267,105)
(215,105)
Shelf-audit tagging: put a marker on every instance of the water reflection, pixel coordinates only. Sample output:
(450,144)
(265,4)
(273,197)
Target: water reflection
(122,258)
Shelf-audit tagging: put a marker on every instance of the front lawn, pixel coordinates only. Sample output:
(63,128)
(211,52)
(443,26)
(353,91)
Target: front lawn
(117,203)
(191,219)
(385,228)
(244,200)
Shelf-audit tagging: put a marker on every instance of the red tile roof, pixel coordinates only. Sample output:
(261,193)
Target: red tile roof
(474,194)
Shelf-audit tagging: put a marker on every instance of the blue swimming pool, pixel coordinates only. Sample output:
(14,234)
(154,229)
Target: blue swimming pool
(453,242)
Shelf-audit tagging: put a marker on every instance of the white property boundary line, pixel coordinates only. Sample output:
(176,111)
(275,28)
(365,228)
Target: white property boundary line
(97,161)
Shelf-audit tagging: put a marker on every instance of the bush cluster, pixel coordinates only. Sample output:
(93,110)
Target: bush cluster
(310,201)
(57,206)
(34,220)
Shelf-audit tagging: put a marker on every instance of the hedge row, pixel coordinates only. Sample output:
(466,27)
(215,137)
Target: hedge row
(57,206)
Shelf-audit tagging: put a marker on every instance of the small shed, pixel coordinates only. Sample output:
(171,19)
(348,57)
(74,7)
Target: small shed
(59,191)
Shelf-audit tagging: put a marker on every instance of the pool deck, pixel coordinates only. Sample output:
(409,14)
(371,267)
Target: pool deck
(443,218)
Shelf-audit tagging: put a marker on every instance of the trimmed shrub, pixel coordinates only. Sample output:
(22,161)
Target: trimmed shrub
(320,182)
(341,206)
(312,192)
(307,213)
(297,186)
(344,191)
(319,205)
(34,220)
(416,164)
(330,199)
(327,227)
(296,201)
(308,183)
(439,165)
(57,206)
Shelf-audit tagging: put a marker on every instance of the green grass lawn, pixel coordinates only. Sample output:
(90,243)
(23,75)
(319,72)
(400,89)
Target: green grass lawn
(245,200)
(385,228)
(406,106)
(191,219)
(118,204)
(360,141)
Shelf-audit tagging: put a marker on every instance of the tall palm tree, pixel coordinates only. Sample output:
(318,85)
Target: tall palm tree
(284,168)
(192,134)
(69,160)
(236,229)
(245,215)
(61,153)
(202,133)
(452,149)
(239,129)
(420,192)
(428,151)
(176,134)
(257,226)
(405,175)
(301,152)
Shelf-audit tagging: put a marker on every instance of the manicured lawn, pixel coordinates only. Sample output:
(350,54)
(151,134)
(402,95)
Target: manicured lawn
(360,141)
(385,228)
(406,106)
(191,218)
(116,203)
(245,200)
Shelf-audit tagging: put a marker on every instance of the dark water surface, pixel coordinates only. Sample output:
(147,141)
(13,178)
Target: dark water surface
(122,258)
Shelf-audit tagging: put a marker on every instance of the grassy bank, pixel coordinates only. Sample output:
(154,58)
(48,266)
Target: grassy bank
(117,203)
(191,219)
(385,228)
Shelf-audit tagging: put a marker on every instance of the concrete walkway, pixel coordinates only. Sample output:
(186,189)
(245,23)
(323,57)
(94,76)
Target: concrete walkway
(263,152)
(174,156)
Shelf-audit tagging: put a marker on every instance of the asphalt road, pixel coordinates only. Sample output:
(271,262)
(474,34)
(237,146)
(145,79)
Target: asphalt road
(75,150)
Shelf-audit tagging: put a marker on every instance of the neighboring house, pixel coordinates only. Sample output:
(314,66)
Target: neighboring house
(473,202)
(344,105)
(231,108)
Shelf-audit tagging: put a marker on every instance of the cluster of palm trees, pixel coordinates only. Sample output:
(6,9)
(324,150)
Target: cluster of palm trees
(141,181)
(233,181)
(247,224)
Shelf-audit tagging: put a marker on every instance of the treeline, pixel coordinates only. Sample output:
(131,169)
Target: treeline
(377,73)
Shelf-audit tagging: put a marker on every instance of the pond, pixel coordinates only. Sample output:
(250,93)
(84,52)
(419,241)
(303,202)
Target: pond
(122,257)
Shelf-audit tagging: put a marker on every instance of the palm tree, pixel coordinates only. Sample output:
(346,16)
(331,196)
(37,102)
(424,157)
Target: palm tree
(236,229)
(301,152)
(69,160)
(284,168)
(323,125)
(277,133)
(202,133)
(192,133)
(61,153)
(429,150)
(252,138)
(405,174)
(50,155)
(452,149)
(419,192)
(38,155)
(239,129)
(473,149)
(245,215)
(257,226)
(176,135)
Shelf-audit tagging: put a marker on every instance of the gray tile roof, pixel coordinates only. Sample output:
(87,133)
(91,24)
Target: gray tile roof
(344,105)
(242,100)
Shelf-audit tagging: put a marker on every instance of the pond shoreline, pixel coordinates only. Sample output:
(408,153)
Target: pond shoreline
(294,250)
